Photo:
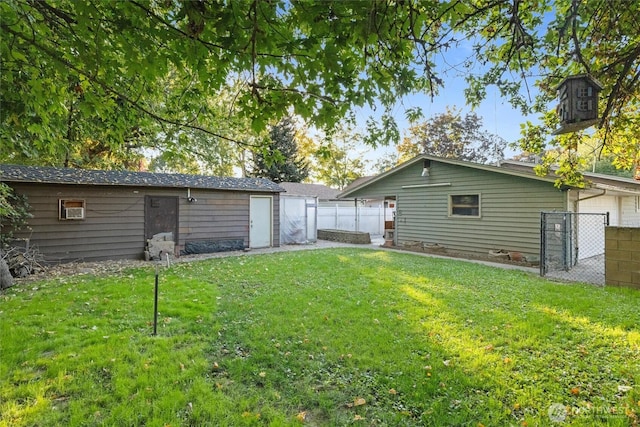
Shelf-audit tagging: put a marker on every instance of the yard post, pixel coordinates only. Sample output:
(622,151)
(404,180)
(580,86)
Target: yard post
(155,305)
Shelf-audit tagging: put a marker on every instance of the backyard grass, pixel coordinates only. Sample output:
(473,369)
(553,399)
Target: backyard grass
(326,337)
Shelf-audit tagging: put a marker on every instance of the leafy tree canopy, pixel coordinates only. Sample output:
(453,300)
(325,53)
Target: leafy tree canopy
(337,160)
(453,136)
(73,70)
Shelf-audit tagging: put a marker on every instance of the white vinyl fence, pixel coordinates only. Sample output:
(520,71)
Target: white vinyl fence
(368,219)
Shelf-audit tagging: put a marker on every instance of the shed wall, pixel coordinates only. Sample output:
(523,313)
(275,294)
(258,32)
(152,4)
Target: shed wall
(114,224)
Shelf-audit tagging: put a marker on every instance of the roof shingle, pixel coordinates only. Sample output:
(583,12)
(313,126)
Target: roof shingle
(50,175)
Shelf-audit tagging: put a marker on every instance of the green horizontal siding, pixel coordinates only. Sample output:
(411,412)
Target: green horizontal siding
(510,208)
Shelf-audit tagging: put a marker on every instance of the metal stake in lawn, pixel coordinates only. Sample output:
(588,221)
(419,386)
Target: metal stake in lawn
(155,305)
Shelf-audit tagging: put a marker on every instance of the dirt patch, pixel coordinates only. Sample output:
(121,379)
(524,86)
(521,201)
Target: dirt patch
(439,250)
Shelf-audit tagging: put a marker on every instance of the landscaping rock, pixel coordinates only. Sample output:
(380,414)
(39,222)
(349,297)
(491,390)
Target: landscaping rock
(6,280)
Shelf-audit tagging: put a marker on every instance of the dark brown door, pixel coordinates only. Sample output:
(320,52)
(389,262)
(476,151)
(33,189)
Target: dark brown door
(160,216)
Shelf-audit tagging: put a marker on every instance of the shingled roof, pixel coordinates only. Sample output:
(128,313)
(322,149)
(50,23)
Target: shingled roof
(320,191)
(50,175)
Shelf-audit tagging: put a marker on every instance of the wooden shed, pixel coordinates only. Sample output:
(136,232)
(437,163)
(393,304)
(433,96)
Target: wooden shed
(94,215)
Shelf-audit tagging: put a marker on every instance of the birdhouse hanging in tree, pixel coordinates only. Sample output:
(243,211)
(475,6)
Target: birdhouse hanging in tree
(578,107)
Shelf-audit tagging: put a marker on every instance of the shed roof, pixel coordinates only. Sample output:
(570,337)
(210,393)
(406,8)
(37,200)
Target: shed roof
(51,175)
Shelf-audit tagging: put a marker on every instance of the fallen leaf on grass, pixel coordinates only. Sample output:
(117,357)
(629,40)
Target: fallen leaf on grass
(393,391)
(302,416)
(358,401)
(575,391)
(248,414)
(624,389)
(357,418)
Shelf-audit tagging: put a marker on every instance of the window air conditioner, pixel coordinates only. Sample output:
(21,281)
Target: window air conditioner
(74,213)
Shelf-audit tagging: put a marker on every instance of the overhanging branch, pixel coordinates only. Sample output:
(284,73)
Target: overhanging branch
(109,89)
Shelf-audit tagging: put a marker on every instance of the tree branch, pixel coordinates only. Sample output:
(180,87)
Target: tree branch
(323,98)
(53,55)
(574,36)
(207,44)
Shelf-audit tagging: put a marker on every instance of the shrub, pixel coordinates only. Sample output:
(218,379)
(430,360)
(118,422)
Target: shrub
(14,214)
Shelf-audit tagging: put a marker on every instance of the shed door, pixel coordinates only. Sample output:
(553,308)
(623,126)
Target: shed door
(260,221)
(160,216)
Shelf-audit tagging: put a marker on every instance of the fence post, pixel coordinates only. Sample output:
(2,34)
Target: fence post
(543,242)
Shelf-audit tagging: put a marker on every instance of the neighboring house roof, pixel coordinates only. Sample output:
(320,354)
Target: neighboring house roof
(322,192)
(617,185)
(597,180)
(50,175)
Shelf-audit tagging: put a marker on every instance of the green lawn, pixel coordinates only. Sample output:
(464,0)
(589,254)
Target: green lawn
(325,337)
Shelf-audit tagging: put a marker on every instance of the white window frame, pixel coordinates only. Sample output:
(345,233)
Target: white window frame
(452,206)
(75,204)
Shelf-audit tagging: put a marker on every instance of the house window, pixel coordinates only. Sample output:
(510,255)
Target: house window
(637,203)
(71,209)
(464,205)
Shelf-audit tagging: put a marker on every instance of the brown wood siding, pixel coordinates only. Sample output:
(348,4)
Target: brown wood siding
(215,216)
(113,227)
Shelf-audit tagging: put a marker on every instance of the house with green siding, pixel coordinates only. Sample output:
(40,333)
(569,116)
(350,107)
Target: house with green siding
(474,208)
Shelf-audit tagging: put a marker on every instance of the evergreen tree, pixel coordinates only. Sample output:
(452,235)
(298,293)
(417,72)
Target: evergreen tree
(279,160)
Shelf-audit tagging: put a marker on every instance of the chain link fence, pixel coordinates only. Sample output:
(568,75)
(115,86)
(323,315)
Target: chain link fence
(572,246)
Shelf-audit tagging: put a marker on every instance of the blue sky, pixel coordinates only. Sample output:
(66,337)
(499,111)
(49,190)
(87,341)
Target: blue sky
(498,116)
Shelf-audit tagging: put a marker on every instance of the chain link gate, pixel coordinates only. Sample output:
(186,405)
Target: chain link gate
(572,246)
